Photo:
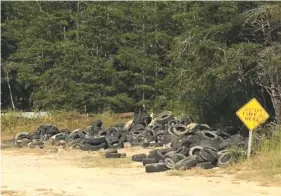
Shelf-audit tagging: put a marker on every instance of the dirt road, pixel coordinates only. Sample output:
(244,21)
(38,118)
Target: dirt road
(58,175)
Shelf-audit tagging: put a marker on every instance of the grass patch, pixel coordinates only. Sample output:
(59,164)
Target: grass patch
(265,166)
(11,124)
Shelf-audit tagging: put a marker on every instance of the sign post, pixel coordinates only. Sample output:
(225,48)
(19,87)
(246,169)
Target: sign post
(252,114)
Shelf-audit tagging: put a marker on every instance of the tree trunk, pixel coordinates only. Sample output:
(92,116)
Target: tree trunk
(276,96)
(276,102)
(10,90)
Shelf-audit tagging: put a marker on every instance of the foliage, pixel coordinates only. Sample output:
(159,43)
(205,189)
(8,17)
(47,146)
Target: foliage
(202,58)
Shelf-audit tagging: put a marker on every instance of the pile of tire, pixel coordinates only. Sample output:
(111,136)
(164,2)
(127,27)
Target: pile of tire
(156,133)
(38,137)
(162,130)
(95,138)
(193,145)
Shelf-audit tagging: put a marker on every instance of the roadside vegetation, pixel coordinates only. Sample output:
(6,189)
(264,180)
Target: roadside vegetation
(264,165)
(11,124)
(203,59)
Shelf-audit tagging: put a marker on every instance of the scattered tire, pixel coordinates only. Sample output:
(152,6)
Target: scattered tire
(146,161)
(155,167)
(205,165)
(112,150)
(94,140)
(159,154)
(21,135)
(82,133)
(186,163)
(208,154)
(225,159)
(114,155)
(88,147)
(171,158)
(138,157)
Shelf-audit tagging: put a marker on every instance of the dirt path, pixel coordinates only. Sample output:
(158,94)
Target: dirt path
(55,175)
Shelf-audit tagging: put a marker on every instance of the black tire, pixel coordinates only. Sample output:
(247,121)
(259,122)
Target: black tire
(73,143)
(157,127)
(113,142)
(59,136)
(209,155)
(205,165)
(183,150)
(82,133)
(137,127)
(138,157)
(159,135)
(103,133)
(22,135)
(112,150)
(171,132)
(73,135)
(210,143)
(159,154)
(114,155)
(138,140)
(155,167)
(180,129)
(146,161)
(224,144)
(187,163)
(165,117)
(223,135)
(225,159)
(94,140)
(221,152)
(173,122)
(115,132)
(209,135)
(185,120)
(88,147)
(171,158)
(195,150)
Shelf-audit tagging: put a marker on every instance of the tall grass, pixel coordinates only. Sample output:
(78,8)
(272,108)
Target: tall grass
(11,124)
(265,165)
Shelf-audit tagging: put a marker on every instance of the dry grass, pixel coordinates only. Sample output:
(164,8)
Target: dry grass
(10,125)
(264,167)
(195,171)
(10,193)
(25,150)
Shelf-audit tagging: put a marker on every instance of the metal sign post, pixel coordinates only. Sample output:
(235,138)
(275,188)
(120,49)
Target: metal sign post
(252,114)
(249,144)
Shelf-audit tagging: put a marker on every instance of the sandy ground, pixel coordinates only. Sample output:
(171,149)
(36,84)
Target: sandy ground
(59,174)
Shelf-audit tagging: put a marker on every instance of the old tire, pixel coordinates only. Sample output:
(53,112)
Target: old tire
(146,161)
(155,167)
(208,154)
(171,158)
(165,117)
(225,159)
(114,155)
(138,157)
(205,165)
(187,163)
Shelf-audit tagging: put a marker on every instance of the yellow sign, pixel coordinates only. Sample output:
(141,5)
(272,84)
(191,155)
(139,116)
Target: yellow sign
(252,114)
